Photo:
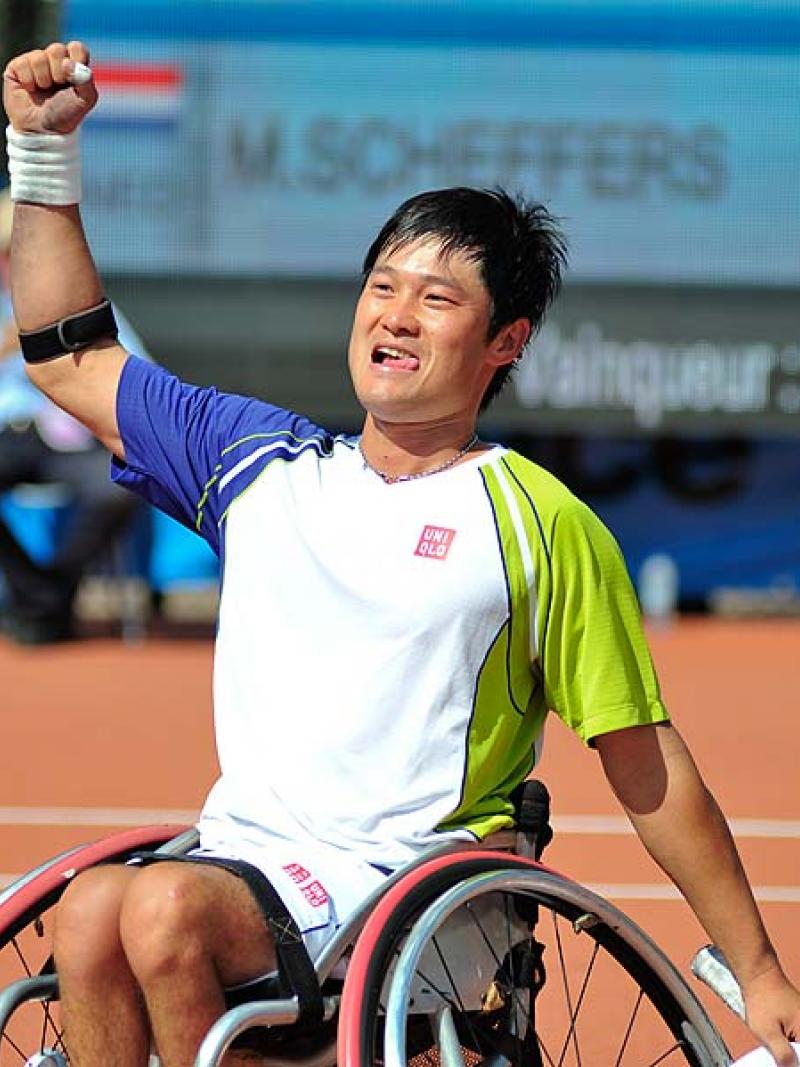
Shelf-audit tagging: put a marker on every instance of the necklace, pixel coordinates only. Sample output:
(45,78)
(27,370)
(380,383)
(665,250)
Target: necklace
(390,479)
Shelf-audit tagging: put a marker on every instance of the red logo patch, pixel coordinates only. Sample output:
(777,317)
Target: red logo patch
(315,894)
(435,542)
(312,890)
(297,873)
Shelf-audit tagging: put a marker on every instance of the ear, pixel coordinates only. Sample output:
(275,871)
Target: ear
(507,346)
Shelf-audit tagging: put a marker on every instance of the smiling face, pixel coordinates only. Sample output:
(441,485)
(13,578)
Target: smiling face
(419,351)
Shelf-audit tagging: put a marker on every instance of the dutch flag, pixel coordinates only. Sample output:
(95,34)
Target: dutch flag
(145,96)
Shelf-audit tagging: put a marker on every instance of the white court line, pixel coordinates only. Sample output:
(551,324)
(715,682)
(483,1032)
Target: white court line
(613,825)
(618,825)
(764,894)
(93,816)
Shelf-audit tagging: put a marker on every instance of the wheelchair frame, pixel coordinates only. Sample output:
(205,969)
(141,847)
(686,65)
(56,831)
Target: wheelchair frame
(429,908)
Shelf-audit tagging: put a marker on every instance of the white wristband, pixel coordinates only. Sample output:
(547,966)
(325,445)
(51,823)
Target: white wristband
(45,168)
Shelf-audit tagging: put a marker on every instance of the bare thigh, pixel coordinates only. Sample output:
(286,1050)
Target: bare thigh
(199,908)
(157,915)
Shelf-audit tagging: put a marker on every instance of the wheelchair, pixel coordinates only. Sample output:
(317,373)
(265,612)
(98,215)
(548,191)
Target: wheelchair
(475,955)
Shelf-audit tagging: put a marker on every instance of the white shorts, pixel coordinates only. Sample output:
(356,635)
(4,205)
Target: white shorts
(321,886)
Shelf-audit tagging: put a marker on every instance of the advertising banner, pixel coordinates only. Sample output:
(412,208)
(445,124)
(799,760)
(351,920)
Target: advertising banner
(273,138)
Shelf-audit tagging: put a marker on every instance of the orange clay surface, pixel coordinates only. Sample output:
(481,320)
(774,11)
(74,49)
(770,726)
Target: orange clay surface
(100,726)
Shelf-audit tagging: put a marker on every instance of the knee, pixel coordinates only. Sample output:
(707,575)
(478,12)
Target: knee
(86,938)
(162,921)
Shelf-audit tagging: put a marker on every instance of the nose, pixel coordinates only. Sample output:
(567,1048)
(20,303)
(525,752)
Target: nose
(399,317)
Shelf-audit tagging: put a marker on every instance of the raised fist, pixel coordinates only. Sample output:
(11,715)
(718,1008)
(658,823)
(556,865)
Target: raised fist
(37,93)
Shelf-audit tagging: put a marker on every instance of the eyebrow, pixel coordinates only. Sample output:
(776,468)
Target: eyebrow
(429,279)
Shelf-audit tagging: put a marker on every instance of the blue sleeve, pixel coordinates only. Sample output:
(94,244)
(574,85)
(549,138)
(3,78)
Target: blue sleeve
(189,450)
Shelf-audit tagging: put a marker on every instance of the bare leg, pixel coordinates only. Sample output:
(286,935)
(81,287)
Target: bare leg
(102,1008)
(189,930)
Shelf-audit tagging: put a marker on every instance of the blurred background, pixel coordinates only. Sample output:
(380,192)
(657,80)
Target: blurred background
(246,151)
(244,154)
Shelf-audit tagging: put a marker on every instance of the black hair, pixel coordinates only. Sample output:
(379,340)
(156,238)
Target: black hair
(517,244)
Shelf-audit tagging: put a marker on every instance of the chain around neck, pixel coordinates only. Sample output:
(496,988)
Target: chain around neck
(390,479)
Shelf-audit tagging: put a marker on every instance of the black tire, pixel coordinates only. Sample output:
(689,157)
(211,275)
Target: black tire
(611,996)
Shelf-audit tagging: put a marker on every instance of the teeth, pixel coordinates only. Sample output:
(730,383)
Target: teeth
(394,353)
(405,360)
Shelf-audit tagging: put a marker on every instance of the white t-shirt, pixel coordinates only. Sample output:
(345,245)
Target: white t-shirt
(382,667)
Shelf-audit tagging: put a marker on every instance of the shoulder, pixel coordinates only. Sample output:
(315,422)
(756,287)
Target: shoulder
(560,515)
(550,493)
(234,423)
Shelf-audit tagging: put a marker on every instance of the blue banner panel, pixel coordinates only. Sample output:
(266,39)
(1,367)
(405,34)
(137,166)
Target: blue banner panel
(667,136)
(724,510)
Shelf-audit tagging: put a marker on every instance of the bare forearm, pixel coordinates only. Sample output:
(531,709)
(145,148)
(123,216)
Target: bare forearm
(681,826)
(53,274)
(702,860)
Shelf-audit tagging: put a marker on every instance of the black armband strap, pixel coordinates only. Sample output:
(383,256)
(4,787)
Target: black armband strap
(69,335)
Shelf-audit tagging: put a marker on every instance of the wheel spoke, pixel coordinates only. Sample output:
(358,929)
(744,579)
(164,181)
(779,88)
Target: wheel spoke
(629,1028)
(518,1007)
(617,1002)
(449,975)
(572,1033)
(51,1032)
(567,993)
(21,957)
(15,1047)
(675,1048)
(34,1024)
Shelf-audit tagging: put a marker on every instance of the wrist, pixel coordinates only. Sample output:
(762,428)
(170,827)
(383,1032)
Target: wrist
(45,168)
(762,970)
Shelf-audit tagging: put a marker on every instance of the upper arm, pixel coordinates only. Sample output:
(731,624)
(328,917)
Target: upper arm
(633,763)
(85,385)
(644,764)
(191,450)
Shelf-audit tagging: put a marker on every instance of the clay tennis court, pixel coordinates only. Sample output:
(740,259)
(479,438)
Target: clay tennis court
(101,735)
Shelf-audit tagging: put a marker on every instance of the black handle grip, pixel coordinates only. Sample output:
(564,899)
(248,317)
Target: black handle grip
(532,806)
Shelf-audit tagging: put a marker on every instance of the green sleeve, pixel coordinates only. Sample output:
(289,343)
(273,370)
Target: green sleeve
(598,672)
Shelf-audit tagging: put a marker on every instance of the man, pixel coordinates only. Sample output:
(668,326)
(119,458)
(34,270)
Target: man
(41,444)
(398,613)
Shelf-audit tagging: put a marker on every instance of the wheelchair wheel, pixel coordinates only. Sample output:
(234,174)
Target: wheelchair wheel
(513,966)
(27,907)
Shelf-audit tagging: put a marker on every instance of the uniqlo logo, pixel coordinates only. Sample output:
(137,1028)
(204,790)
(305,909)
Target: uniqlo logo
(435,542)
(297,873)
(315,894)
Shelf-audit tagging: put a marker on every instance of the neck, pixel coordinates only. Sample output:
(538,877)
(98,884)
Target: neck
(409,451)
